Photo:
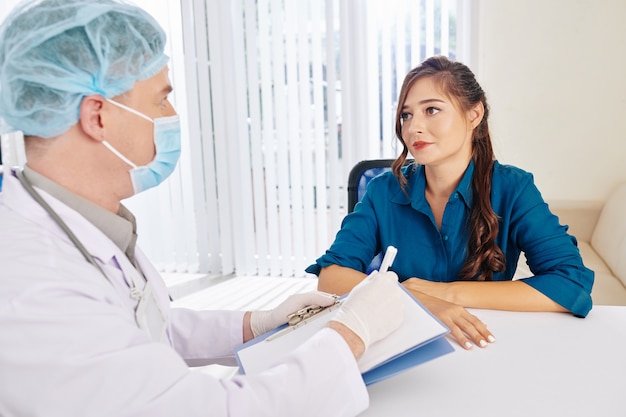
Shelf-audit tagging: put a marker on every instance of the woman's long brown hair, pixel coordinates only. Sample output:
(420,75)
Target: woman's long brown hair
(457,80)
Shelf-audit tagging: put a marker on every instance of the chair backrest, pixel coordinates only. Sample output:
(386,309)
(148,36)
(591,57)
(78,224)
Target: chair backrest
(360,175)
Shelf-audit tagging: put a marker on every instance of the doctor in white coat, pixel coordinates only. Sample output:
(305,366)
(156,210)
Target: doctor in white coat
(85,323)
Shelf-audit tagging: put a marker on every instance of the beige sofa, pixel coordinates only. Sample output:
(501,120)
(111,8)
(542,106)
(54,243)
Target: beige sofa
(600,229)
(601,233)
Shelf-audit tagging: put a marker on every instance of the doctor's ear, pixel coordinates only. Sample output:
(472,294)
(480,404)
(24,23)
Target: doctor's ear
(91,116)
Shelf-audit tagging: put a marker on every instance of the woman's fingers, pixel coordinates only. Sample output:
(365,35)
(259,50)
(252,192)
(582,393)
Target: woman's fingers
(472,329)
(465,328)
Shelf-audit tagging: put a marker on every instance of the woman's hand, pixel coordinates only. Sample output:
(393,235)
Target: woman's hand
(465,328)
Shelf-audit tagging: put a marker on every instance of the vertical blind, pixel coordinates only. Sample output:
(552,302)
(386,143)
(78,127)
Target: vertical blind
(279,99)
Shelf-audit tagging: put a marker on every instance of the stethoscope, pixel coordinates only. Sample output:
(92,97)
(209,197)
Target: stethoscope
(19,173)
(144,297)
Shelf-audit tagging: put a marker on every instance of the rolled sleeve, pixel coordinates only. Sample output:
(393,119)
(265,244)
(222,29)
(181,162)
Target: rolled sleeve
(552,254)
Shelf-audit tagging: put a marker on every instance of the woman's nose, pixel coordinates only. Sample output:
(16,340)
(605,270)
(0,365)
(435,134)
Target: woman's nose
(413,126)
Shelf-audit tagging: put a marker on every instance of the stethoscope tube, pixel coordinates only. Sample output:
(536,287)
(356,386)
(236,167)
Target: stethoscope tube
(39,199)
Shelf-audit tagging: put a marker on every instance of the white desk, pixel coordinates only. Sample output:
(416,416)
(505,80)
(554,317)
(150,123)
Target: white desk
(542,364)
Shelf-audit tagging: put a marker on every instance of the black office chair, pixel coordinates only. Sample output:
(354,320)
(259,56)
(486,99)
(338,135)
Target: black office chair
(358,178)
(360,175)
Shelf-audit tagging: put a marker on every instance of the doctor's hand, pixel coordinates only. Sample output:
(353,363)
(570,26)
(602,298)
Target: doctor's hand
(373,309)
(465,327)
(264,321)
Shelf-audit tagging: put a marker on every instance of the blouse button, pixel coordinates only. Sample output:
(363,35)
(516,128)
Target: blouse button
(445,237)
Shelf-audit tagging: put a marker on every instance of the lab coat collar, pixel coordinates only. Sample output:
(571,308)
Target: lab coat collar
(116,265)
(119,228)
(97,243)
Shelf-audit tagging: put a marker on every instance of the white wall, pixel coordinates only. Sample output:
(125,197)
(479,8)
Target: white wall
(554,73)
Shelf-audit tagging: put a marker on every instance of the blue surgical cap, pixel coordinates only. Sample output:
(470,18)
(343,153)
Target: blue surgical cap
(55,52)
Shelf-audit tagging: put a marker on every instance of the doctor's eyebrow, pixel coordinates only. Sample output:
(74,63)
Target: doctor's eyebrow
(167,90)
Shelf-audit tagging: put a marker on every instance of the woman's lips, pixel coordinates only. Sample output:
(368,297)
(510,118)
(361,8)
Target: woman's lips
(417,145)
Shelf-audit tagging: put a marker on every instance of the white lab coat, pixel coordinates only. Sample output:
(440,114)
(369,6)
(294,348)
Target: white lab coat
(70,346)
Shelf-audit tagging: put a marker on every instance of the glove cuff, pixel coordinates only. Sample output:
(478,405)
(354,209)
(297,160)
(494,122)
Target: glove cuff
(257,321)
(352,321)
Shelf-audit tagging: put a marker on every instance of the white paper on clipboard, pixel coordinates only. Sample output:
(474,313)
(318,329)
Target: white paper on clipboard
(418,329)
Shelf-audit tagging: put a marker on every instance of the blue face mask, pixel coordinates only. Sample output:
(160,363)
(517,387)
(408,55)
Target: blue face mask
(167,143)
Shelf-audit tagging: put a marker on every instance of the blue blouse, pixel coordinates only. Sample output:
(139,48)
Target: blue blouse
(386,216)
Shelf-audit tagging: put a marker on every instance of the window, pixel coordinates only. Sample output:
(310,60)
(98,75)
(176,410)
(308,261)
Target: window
(279,99)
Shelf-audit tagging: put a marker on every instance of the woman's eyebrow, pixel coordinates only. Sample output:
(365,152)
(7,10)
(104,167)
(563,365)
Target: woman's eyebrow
(431,100)
(426,101)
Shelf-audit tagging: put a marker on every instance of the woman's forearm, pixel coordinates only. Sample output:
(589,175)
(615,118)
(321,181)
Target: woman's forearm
(501,295)
(335,279)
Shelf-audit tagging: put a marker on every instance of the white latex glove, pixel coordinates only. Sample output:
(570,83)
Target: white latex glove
(374,308)
(264,321)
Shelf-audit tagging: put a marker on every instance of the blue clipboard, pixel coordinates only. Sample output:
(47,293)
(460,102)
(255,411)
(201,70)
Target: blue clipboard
(259,353)
(409,359)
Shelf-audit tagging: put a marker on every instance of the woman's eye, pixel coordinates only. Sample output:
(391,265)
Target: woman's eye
(432,110)
(405,116)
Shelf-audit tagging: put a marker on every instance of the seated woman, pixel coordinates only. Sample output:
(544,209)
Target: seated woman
(459,218)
